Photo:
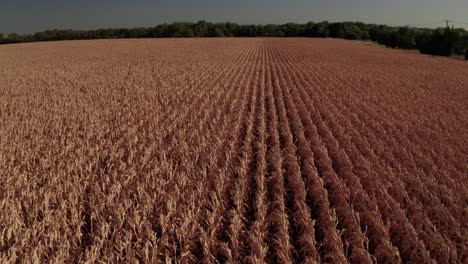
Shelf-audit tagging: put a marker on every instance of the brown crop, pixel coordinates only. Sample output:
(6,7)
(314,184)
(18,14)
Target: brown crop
(231,150)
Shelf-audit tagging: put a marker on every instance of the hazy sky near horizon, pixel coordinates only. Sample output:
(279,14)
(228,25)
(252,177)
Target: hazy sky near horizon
(27,16)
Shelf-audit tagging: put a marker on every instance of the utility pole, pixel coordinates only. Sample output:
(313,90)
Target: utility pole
(448,21)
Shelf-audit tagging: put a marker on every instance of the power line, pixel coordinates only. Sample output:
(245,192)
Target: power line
(446,22)
(424,24)
(459,22)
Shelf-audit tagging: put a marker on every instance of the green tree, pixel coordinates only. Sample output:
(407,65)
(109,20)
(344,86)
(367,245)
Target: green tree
(337,30)
(365,35)
(406,38)
(41,36)
(162,31)
(230,29)
(14,38)
(292,29)
(321,30)
(309,29)
(133,33)
(200,29)
(352,31)
(217,32)
(440,42)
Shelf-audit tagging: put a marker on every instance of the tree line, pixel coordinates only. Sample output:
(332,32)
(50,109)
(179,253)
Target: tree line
(441,41)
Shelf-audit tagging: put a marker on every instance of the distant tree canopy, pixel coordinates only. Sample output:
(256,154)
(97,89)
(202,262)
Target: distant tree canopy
(442,42)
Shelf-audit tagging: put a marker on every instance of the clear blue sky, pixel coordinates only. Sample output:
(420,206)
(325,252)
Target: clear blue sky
(26,16)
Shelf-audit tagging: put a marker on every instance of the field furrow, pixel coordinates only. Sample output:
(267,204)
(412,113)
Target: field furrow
(367,209)
(211,160)
(278,234)
(204,158)
(341,156)
(423,226)
(231,211)
(255,235)
(302,229)
(309,141)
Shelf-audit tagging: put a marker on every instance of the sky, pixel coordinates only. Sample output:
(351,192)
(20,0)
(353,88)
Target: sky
(28,16)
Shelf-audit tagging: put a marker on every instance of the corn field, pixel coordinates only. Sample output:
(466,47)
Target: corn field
(231,151)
